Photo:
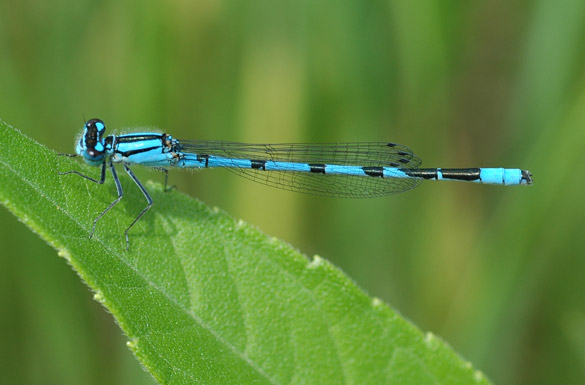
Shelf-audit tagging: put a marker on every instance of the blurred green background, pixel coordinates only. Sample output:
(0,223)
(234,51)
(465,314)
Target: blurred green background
(499,273)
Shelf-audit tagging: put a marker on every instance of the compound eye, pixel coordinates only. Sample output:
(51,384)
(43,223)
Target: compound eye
(94,153)
(94,128)
(96,150)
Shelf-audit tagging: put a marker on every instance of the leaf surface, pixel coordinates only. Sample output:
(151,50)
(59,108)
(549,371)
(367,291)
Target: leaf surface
(204,298)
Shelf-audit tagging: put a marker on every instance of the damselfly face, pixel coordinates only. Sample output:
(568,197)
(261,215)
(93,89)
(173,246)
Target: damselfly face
(91,144)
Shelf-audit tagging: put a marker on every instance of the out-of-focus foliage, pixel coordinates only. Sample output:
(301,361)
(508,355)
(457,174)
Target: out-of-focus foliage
(497,272)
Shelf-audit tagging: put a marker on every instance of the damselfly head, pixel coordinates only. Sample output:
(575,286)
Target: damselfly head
(91,143)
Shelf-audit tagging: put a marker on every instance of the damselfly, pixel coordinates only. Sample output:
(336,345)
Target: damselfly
(353,170)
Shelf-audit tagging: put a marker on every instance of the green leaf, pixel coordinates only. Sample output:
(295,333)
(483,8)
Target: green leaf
(204,298)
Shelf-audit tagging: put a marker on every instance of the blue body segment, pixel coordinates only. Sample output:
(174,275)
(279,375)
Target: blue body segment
(355,170)
(503,176)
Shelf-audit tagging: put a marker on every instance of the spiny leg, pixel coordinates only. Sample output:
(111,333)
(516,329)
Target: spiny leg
(167,188)
(118,187)
(148,199)
(103,176)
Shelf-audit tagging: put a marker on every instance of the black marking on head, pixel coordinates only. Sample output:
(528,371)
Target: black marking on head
(95,125)
(317,168)
(93,130)
(374,171)
(258,164)
(91,141)
(201,158)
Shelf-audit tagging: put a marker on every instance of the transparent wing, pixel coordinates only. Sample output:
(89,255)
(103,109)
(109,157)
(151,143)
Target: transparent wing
(369,154)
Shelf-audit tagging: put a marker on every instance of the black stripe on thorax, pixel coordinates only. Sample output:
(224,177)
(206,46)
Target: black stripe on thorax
(138,138)
(137,151)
